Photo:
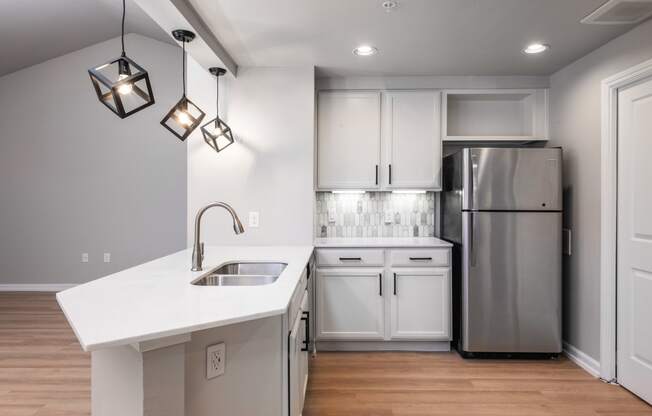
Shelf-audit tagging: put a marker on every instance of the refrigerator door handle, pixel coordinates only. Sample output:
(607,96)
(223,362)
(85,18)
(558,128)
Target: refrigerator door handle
(474,178)
(472,234)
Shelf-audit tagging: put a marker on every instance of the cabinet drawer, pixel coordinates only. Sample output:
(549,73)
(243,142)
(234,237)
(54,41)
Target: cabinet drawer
(431,257)
(350,257)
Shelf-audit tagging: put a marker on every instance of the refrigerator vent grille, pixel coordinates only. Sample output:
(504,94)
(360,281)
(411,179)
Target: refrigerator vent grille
(620,12)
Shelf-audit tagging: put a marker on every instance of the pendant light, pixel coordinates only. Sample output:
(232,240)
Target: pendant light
(121,84)
(216,132)
(185,116)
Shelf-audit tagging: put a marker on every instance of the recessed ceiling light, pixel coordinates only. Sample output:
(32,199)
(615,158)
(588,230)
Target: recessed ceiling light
(390,5)
(365,50)
(535,48)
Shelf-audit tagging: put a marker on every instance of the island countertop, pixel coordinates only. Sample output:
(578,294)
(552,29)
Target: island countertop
(156,300)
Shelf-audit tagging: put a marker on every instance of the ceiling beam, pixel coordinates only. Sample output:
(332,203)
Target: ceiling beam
(206,49)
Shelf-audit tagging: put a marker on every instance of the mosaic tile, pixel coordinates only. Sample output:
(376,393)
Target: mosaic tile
(363,215)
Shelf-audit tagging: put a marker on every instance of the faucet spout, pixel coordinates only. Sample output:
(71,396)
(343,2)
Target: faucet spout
(198,246)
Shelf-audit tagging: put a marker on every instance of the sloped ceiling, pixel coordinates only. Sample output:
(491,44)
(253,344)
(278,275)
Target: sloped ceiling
(33,31)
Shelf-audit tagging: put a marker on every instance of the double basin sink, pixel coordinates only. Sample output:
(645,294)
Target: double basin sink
(242,274)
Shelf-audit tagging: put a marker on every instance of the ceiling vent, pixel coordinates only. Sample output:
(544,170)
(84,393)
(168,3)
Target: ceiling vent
(620,12)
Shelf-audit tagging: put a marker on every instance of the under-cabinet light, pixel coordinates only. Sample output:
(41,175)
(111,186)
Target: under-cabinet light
(349,192)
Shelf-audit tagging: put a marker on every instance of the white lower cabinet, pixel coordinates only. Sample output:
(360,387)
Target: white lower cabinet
(385,304)
(420,304)
(350,304)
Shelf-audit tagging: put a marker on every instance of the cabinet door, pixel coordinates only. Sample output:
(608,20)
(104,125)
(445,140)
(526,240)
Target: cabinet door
(348,140)
(350,304)
(420,304)
(412,139)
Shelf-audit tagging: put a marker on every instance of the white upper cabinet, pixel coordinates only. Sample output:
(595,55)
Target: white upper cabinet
(495,115)
(412,140)
(348,145)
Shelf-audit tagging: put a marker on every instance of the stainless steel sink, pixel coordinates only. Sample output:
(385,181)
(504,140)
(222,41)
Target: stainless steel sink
(242,274)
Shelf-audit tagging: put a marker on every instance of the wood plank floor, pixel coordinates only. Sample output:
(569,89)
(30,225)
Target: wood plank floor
(44,372)
(384,384)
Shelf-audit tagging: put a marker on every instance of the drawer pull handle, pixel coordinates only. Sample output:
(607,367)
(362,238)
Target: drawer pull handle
(306,319)
(420,258)
(350,258)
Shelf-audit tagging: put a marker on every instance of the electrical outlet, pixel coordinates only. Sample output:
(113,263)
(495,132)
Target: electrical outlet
(389,218)
(254,219)
(331,215)
(107,257)
(215,360)
(84,258)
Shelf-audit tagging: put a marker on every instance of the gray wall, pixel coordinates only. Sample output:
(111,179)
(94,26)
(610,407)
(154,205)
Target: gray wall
(269,168)
(76,178)
(575,125)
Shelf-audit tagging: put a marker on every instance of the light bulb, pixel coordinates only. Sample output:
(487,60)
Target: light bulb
(217,131)
(183,118)
(127,88)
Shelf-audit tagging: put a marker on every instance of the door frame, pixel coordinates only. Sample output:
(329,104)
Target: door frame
(609,213)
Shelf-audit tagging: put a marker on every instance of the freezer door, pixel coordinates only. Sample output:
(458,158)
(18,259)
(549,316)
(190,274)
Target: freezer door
(511,282)
(523,179)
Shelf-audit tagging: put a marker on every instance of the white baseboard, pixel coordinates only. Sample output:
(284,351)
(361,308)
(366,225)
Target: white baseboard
(35,287)
(420,346)
(589,364)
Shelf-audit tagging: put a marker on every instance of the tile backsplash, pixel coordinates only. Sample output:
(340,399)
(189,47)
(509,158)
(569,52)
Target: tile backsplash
(375,214)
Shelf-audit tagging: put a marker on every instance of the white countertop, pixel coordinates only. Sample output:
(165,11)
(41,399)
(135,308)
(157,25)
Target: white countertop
(156,300)
(381,242)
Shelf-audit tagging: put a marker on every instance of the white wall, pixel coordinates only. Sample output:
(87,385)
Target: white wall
(270,167)
(76,178)
(575,125)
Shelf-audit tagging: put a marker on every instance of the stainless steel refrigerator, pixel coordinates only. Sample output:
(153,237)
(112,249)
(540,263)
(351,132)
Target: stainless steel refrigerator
(502,210)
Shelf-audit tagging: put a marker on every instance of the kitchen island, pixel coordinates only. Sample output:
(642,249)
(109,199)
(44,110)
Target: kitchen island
(148,329)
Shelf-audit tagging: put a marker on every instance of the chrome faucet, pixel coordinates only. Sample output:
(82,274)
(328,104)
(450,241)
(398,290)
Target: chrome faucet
(198,247)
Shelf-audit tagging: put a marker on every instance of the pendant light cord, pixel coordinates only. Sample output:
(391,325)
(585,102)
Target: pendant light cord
(217,97)
(122,36)
(183,70)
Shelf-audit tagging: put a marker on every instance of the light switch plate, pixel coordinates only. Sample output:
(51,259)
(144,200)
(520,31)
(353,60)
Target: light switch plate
(389,217)
(84,258)
(254,219)
(331,215)
(215,360)
(107,257)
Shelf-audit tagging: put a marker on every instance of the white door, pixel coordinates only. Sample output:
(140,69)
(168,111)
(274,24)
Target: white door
(634,364)
(420,304)
(412,139)
(350,304)
(348,140)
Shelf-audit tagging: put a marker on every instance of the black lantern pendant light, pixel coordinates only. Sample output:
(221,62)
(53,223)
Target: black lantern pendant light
(216,132)
(121,84)
(185,116)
